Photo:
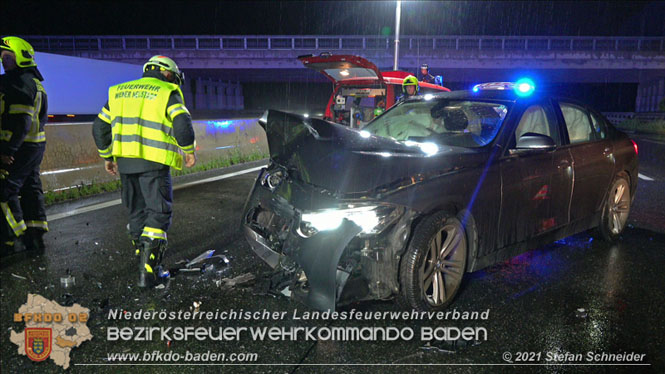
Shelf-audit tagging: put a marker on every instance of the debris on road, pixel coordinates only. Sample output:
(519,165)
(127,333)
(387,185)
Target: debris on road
(581,313)
(189,270)
(18,276)
(240,280)
(224,259)
(160,286)
(206,262)
(275,283)
(163,272)
(67,281)
(203,256)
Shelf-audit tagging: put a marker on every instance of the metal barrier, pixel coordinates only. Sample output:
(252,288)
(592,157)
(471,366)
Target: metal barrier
(618,117)
(71,157)
(348,42)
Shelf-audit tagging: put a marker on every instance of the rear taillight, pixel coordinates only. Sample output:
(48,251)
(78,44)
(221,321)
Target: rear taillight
(634,145)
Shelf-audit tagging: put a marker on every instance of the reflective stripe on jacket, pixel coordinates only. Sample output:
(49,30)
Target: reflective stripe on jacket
(139,125)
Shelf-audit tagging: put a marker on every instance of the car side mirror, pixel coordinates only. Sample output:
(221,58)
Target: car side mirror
(532,142)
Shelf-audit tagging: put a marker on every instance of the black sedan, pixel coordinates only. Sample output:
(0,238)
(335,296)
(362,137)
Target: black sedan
(437,186)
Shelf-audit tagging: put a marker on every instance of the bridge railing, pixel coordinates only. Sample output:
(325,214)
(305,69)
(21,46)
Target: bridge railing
(346,42)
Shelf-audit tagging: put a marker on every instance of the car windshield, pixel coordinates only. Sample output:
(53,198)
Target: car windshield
(463,123)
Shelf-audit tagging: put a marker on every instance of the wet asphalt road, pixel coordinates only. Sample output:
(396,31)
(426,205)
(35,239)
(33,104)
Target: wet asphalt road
(532,298)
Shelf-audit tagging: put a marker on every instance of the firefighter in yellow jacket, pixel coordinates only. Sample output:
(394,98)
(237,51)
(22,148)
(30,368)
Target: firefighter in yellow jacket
(23,113)
(141,133)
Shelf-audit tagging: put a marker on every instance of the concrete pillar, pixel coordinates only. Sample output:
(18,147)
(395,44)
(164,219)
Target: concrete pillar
(187,94)
(212,100)
(199,94)
(241,98)
(231,96)
(649,95)
(220,94)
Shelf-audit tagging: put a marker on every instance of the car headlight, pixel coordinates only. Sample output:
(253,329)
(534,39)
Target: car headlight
(372,219)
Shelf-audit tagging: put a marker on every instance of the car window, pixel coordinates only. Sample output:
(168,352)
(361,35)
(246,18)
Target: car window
(539,120)
(577,123)
(598,126)
(463,123)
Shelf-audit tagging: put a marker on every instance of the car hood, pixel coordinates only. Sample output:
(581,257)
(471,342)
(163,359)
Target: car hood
(344,161)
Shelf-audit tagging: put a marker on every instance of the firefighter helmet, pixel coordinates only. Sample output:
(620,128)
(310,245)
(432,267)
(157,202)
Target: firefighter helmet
(23,51)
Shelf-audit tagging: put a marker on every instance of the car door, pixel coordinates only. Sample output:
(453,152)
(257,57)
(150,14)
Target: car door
(593,158)
(536,185)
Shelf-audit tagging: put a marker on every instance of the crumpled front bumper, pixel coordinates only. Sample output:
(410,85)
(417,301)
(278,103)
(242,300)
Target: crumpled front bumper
(318,256)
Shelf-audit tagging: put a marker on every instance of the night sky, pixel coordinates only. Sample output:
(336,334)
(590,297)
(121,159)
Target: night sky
(595,18)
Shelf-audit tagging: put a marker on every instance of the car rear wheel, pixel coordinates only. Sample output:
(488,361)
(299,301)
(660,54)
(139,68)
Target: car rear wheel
(434,263)
(615,209)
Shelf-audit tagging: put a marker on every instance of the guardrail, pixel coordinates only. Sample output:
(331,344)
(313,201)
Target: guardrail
(618,117)
(71,157)
(345,42)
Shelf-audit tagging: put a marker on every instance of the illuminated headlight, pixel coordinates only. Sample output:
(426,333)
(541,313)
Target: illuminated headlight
(371,219)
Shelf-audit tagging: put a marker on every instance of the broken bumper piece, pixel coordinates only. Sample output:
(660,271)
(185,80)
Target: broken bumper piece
(318,256)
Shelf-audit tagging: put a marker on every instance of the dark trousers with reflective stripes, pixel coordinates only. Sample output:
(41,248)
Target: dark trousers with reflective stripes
(23,180)
(148,197)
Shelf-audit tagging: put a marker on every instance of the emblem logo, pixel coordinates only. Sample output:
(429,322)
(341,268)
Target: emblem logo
(38,343)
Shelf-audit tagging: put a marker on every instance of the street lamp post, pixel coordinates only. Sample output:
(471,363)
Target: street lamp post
(398,13)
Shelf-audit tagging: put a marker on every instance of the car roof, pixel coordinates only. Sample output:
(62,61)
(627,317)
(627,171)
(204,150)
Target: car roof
(508,96)
(468,94)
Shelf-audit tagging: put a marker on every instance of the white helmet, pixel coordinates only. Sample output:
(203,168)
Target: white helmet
(165,63)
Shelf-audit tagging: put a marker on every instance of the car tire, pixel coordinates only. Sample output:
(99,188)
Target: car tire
(434,263)
(615,209)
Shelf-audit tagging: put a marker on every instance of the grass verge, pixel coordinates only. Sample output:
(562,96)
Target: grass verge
(647,127)
(83,190)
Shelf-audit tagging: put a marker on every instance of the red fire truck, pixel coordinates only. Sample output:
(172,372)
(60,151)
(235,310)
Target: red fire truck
(360,87)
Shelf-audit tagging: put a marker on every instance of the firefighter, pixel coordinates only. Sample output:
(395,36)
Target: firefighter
(438,80)
(410,88)
(23,114)
(425,75)
(380,108)
(140,133)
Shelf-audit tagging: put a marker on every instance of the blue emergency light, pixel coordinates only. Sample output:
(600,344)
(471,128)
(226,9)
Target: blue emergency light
(524,87)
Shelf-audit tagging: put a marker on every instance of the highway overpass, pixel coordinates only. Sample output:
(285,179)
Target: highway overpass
(242,58)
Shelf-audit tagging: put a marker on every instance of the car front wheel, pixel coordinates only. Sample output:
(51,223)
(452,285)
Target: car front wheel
(615,209)
(432,268)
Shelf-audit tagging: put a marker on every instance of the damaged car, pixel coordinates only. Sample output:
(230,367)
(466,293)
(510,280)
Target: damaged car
(436,187)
